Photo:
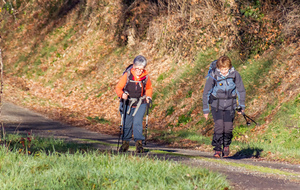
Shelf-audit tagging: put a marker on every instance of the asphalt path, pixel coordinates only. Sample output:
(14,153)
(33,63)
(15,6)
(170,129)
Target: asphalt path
(16,119)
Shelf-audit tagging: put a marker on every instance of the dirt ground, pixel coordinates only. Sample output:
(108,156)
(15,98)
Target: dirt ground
(239,172)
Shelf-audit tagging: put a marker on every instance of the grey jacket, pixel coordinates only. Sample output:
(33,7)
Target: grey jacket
(222,91)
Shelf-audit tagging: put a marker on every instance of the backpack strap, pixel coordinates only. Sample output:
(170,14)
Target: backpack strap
(142,82)
(128,68)
(215,79)
(128,75)
(145,81)
(212,68)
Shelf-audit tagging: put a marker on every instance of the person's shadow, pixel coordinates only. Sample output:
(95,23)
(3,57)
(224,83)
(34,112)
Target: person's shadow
(247,153)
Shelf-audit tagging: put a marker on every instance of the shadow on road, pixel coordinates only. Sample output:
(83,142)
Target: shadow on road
(247,153)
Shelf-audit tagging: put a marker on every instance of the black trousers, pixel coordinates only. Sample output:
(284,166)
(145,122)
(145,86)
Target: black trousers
(223,128)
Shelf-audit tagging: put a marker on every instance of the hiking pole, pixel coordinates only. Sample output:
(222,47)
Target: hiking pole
(149,106)
(246,117)
(122,123)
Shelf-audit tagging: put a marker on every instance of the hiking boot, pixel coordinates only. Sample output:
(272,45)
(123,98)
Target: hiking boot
(124,147)
(226,151)
(139,146)
(218,154)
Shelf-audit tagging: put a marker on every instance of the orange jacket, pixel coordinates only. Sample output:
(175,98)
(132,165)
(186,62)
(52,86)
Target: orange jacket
(121,84)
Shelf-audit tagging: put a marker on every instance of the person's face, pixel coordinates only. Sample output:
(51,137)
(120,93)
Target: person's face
(138,70)
(224,70)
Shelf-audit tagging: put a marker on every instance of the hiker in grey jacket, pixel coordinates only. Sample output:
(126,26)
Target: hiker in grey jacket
(222,89)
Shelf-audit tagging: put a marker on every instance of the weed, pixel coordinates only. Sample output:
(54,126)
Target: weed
(170,110)
(184,119)
(189,94)
(253,11)
(161,77)
(98,120)
(240,130)
(99,95)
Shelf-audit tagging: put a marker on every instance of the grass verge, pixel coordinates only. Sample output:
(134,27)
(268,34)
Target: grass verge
(44,168)
(253,168)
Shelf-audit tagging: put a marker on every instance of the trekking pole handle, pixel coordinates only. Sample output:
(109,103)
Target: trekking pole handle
(150,103)
(239,109)
(125,95)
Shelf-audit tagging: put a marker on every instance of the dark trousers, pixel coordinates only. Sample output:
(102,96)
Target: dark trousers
(223,128)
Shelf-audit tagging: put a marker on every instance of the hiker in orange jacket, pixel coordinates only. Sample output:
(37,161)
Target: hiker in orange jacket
(135,89)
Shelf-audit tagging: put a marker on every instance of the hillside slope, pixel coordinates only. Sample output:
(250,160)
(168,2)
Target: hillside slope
(64,58)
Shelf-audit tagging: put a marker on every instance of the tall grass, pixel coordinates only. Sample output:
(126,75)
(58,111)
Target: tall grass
(96,170)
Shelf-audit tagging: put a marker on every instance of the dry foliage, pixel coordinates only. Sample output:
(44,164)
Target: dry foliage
(76,79)
(291,22)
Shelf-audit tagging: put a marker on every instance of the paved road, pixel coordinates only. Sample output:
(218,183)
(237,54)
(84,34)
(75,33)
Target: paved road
(18,119)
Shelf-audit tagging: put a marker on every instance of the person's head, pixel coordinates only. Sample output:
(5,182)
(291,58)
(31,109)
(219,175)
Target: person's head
(139,64)
(224,64)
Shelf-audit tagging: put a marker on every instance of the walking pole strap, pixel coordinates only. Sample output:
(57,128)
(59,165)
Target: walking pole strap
(247,117)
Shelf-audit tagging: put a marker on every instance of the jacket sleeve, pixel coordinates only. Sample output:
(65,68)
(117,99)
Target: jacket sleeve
(241,92)
(149,89)
(121,84)
(206,93)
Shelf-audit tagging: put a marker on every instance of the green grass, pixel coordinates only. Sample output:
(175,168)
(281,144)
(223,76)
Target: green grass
(241,130)
(281,139)
(186,75)
(188,78)
(175,136)
(60,168)
(253,73)
(98,120)
(254,168)
(193,136)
